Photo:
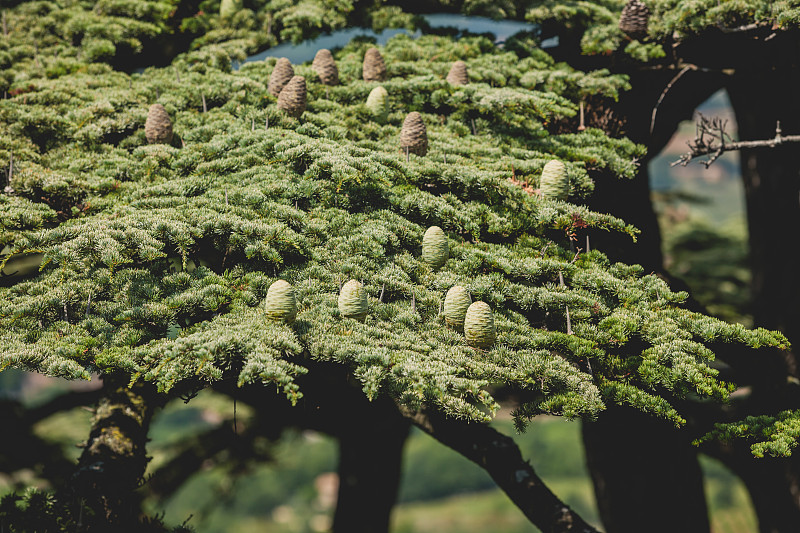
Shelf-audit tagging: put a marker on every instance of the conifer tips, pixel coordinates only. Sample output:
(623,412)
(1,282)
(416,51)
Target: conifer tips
(458,74)
(280,76)
(554,182)
(378,103)
(158,126)
(479,325)
(353,301)
(456,302)
(634,19)
(281,304)
(325,67)
(374,68)
(414,134)
(292,99)
(435,249)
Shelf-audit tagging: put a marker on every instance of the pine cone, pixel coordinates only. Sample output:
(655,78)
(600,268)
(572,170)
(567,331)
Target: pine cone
(458,74)
(414,135)
(228,8)
(353,301)
(479,325)
(281,74)
(158,126)
(435,248)
(292,99)
(456,303)
(554,182)
(633,21)
(378,103)
(325,67)
(374,69)
(281,304)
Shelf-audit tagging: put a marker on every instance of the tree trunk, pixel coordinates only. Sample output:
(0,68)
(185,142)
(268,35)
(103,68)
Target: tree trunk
(662,492)
(113,462)
(771,177)
(370,459)
(645,471)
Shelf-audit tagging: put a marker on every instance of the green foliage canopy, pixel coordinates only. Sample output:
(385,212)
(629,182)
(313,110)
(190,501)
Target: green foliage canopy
(156,259)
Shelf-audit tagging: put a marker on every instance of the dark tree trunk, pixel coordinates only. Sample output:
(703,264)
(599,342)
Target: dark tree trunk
(370,459)
(760,98)
(645,473)
(113,462)
(644,470)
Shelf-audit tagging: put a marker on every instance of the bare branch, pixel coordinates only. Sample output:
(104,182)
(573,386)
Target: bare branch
(678,76)
(712,139)
(501,458)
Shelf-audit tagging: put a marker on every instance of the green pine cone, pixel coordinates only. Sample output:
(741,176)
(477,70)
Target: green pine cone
(378,103)
(435,248)
(353,301)
(228,8)
(281,304)
(554,183)
(456,303)
(479,325)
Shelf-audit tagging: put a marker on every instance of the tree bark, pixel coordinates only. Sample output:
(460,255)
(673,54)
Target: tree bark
(502,460)
(760,97)
(645,473)
(113,462)
(644,470)
(370,460)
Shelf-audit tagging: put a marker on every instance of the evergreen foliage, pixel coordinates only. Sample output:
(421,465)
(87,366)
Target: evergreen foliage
(157,259)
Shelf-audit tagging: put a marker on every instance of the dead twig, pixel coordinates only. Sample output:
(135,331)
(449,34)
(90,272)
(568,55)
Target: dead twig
(713,140)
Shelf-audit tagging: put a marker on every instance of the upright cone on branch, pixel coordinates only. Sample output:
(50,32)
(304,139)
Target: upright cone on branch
(479,325)
(228,8)
(281,304)
(456,302)
(458,74)
(353,301)
(374,69)
(292,99)
(325,67)
(554,182)
(378,103)
(158,126)
(280,76)
(634,18)
(414,134)
(435,248)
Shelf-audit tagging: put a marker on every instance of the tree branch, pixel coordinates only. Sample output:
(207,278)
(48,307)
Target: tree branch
(712,139)
(63,402)
(502,460)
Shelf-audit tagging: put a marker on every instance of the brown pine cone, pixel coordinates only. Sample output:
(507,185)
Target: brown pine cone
(633,21)
(280,76)
(292,99)
(158,126)
(458,74)
(414,135)
(374,69)
(325,67)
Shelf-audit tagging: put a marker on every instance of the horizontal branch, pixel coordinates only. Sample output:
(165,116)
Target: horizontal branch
(501,458)
(64,402)
(713,140)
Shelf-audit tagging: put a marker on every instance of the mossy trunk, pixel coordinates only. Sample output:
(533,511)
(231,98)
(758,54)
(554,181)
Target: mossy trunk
(114,459)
